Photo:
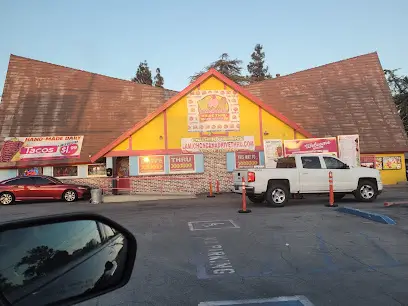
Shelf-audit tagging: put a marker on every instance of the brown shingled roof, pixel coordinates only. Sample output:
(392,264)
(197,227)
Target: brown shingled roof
(41,99)
(346,97)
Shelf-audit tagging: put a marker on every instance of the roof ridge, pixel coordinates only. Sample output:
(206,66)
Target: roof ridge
(316,67)
(81,70)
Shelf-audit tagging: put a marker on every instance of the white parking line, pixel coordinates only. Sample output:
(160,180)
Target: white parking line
(297,298)
(210,225)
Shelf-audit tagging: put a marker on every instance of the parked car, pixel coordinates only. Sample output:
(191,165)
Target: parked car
(308,174)
(40,187)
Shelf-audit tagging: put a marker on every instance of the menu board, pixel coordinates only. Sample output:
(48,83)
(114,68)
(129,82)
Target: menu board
(153,164)
(246,160)
(273,150)
(368,161)
(392,163)
(378,163)
(349,149)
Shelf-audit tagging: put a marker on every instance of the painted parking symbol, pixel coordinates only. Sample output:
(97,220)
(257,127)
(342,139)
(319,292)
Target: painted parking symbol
(211,225)
(297,300)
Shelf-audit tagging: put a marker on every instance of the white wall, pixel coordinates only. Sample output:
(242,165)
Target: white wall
(7,173)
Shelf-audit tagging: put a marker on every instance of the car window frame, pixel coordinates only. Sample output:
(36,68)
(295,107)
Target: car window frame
(318,158)
(42,178)
(337,160)
(15,180)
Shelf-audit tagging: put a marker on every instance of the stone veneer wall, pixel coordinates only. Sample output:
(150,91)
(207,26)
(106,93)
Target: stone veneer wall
(215,165)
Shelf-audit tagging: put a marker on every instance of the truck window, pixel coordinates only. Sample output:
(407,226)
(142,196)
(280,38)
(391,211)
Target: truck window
(311,162)
(333,163)
(286,162)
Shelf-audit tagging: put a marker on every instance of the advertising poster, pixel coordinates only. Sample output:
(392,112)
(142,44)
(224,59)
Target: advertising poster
(218,144)
(30,171)
(349,149)
(182,163)
(153,164)
(392,163)
(212,110)
(40,148)
(368,161)
(273,149)
(311,145)
(378,163)
(246,160)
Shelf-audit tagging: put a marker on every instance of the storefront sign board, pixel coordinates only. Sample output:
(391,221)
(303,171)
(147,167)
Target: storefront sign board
(310,145)
(153,164)
(41,148)
(213,110)
(218,144)
(349,149)
(182,163)
(273,149)
(246,160)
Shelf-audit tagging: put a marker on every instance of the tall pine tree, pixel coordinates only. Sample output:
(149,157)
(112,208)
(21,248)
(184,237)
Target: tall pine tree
(231,68)
(399,90)
(257,69)
(143,74)
(158,79)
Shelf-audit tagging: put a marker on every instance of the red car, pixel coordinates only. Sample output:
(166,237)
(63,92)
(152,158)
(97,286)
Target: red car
(40,187)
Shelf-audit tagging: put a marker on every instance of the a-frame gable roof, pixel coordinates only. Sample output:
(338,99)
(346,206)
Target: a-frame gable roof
(177,97)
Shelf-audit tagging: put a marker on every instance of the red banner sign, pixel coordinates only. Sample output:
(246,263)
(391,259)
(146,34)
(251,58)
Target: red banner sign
(181,163)
(153,164)
(311,145)
(368,161)
(246,159)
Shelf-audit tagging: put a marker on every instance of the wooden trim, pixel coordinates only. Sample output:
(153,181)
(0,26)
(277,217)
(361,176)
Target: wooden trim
(44,165)
(165,129)
(159,152)
(130,144)
(212,72)
(261,131)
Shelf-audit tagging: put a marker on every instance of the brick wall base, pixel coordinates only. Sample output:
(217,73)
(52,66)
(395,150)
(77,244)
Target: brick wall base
(215,166)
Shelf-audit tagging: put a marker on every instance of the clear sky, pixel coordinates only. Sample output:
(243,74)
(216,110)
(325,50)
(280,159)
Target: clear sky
(182,36)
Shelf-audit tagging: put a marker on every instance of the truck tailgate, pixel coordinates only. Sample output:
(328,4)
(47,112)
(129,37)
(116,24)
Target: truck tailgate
(238,175)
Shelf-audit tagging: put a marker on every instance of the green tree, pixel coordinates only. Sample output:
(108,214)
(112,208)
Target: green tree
(399,89)
(231,68)
(143,74)
(257,69)
(158,79)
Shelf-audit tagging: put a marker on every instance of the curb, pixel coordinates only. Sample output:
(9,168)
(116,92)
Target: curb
(402,203)
(367,215)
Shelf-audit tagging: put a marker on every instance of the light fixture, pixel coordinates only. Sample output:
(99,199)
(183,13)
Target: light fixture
(146,159)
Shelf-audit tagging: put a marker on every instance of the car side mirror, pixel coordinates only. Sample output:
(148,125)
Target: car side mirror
(63,259)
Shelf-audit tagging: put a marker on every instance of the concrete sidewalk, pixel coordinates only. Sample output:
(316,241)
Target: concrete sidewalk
(120,198)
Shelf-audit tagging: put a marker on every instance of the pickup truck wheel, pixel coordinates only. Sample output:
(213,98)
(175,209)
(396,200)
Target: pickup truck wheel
(277,195)
(366,191)
(257,198)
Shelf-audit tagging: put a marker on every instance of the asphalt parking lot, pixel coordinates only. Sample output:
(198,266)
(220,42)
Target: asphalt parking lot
(194,251)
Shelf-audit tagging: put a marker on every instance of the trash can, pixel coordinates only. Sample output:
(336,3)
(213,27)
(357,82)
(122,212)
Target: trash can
(96,196)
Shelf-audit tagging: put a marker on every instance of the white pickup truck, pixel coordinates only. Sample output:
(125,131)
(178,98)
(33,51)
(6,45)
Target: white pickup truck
(307,174)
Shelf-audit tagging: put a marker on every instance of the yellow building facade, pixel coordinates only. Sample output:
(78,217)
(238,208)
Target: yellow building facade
(202,134)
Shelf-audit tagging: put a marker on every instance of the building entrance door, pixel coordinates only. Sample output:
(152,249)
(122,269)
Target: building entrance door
(122,166)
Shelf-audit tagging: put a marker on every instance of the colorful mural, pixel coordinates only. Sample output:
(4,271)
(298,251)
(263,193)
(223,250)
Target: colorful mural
(213,110)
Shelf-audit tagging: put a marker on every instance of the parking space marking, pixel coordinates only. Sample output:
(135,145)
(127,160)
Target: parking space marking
(297,300)
(211,225)
(213,262)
